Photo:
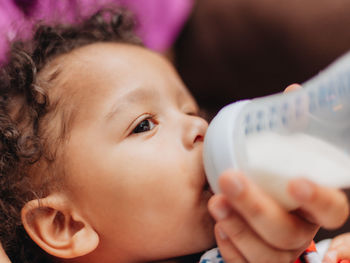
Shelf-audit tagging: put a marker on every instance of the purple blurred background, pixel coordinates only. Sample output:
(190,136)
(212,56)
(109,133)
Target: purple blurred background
(159,20)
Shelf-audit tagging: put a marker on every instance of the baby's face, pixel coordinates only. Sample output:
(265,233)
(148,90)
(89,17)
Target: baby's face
(134,155)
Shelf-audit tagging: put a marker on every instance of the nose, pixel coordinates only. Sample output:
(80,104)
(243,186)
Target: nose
(194,131)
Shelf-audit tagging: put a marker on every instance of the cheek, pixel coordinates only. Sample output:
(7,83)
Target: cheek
(135,185)
(127,195)
(167,204)
(164,182)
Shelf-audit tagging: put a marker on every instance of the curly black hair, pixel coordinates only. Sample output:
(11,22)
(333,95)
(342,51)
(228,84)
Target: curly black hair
(24,104)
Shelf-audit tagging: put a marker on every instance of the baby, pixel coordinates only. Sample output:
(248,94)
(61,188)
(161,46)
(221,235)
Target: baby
(101,161)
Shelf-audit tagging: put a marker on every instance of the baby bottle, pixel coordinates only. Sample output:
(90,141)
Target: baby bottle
(303,133)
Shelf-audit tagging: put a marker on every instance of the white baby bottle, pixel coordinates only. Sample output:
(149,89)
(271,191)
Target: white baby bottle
(303,133)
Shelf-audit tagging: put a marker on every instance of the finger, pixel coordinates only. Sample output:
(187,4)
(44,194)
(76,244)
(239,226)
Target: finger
(219,207)
(227,250)
(288,231)
(292,87)
(328,207)
(340,246)
(3,256)
(330,257)
(249,244)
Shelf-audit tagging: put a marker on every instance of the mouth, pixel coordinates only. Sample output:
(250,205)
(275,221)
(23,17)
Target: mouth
(206,187)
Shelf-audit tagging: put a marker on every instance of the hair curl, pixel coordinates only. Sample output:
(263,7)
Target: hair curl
(23,105)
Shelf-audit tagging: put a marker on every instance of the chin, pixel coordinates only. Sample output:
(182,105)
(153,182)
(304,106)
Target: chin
(206,238)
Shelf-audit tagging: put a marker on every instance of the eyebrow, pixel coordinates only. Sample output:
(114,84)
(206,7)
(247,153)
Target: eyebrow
(134,96)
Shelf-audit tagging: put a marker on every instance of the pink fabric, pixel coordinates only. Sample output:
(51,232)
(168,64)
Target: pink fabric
(159,21)
(11,22)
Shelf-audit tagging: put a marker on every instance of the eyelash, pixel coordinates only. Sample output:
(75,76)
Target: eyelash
(140,128)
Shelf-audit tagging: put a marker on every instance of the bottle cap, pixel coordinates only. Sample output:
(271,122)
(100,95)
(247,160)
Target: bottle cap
(221,132)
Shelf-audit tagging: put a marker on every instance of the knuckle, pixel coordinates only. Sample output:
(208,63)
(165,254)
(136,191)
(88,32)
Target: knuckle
(296,235)
(297,242)
(255,209)
(284,243)
(238,233)
(236,228)
(291,242)
(327,203)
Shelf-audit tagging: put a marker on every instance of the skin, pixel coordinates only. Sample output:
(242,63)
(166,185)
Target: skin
(339,249)
(3,257)
(144,210)
(114,165)
(244,215)
(124,191)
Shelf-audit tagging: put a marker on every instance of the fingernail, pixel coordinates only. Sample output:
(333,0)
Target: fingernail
(330,257)
(235,186)
(304,191)
(221,234)
(220,211)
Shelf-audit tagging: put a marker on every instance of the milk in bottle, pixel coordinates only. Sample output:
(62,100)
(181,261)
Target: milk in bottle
(304,133)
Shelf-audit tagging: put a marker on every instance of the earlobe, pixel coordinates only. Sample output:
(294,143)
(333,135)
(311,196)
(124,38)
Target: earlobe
(57,228)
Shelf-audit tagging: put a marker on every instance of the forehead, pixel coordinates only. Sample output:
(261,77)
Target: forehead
(93,77)
(100,68)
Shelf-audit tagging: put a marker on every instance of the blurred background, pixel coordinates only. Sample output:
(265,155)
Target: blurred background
(225,50)
(235,49)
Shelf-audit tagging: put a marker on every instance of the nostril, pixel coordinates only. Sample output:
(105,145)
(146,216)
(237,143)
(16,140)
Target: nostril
(199,138)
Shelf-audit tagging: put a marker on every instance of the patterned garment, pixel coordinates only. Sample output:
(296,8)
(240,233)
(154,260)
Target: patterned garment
(212,256)
(309,256)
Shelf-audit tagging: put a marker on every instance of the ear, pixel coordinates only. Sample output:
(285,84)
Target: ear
(58,228)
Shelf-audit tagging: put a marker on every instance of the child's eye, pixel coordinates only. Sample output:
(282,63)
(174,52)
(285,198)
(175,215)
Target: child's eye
(144,126)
